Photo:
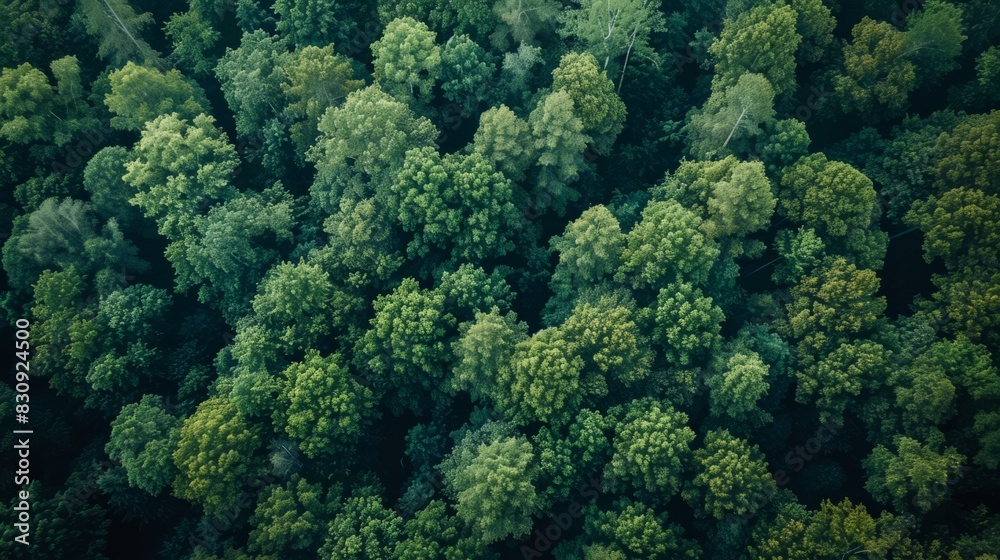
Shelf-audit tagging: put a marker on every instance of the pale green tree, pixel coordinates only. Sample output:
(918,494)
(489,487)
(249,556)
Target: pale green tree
(493,487)
(652,448)
(732,479)
(407,59)
(732,117)
(323,407)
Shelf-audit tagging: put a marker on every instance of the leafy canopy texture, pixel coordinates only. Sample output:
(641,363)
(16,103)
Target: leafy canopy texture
(484,279)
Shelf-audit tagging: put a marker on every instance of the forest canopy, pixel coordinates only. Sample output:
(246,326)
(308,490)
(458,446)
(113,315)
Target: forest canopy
(491,279)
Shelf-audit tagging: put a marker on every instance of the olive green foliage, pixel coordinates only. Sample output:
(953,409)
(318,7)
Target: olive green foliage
(180,169)
(457,203)
(913,477)
(139,95)
(839,203)
(876,73)
(215,455)
(737,388)
(316,79)
(493,485)
(687,323)
(404,348)
(600,110)
(733,479)
(322,406)
(651,448)
(762,40)
(666,246)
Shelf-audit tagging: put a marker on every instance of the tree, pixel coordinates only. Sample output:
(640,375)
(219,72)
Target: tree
(215,455)
(466,72)
(801,251)
(109,193)
(436,534)
(504,139)
(180,168)
(315,80)
(736,390)
(316,23)
(524,20)
(56,299)
(590,251)
(358,139)
(289,520)
(732,478)
(651,448)
(967,300)
(904,165)
(363,528)
(363,246)
(628,530)
(609,339)
(815,24)
(836,379)
(836,303)
(960,227)
(236,243)
(407,59)
(26,100)
(518,75)
(485,347)
(457,203)
(193,38)
(761,40)
(34,110)
(118,363)
(298,304)
(612,31)
(141,94)
(734,198)
(687,323)
(251,77)
(840,527)
(876,76)
(732,115)
(468,290)
(967,155)
(987,430)
(913,477)
(567,457)
(783,143)
(32,29)
(543,380)
(62,530)
(601,112)
(323,407)
(475,18)
(559,145)
(839,203)
(117,28)
(666,246)
(406,348)
(934,39)
(493,486)
(64,234)
(143,439)
(924,394)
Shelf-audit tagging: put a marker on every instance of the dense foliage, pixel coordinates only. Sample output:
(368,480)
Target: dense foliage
(481,279)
